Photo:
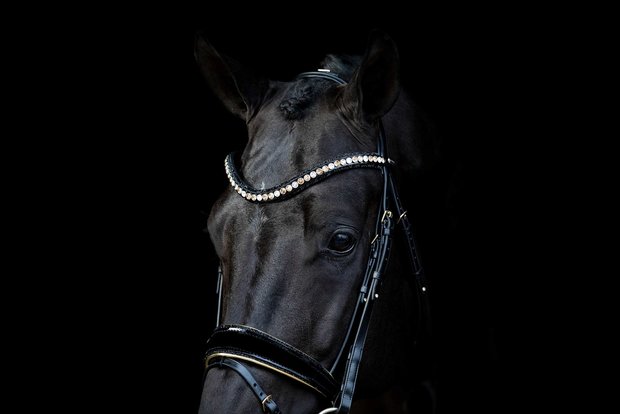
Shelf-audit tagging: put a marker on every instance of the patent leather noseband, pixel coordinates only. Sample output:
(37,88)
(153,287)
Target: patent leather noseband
(259,348)
(232,346)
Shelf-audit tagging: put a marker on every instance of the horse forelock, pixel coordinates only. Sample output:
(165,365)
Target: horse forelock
(304,92)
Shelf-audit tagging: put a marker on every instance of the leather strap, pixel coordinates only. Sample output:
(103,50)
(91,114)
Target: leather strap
(424,315)
(377,264)
(218,292)
(323,75)
(268,404)
(355,356)
(259,348)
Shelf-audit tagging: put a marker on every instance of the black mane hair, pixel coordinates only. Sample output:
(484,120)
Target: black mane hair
(302,94)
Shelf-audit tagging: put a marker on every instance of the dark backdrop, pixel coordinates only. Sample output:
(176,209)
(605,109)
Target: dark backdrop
(472,69)
(127,296)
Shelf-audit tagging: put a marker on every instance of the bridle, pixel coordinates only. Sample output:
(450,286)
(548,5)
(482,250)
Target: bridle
(230,346)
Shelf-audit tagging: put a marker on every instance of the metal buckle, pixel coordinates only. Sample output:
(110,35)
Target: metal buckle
(267,398)
(386,213)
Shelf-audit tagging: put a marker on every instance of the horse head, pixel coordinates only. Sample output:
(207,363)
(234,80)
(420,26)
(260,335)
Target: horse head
(296,232)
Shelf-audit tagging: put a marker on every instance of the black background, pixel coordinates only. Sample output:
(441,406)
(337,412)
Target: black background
(484,222)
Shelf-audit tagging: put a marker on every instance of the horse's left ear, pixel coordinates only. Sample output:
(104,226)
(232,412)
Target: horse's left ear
(375,85)
(240,89)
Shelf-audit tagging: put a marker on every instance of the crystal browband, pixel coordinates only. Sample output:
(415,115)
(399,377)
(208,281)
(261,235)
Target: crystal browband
(301,181)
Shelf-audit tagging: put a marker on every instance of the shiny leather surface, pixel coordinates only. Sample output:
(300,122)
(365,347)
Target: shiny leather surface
(256,345)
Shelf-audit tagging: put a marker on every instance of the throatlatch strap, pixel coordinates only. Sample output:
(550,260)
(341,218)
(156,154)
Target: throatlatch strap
(424,313)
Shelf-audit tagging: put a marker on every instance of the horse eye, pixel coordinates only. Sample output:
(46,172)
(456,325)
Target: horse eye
(342,242)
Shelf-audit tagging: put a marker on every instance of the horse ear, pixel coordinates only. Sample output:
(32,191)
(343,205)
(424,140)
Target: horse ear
(375,85)
(240,90)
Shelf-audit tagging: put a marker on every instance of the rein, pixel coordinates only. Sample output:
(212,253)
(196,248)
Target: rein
(230,346)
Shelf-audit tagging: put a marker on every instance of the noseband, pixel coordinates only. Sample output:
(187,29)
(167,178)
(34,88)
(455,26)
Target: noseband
(230,346)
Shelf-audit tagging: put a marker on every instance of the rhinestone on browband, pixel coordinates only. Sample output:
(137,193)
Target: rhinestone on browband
(303,180)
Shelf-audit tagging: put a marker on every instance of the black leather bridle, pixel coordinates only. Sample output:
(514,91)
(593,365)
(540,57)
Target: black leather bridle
(230,346)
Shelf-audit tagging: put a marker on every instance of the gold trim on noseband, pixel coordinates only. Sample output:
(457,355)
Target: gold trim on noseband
(262,364)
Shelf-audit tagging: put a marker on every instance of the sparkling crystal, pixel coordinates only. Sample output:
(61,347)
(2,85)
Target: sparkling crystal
(300,181)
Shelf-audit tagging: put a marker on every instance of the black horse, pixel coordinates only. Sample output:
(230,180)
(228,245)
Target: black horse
(294,254)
